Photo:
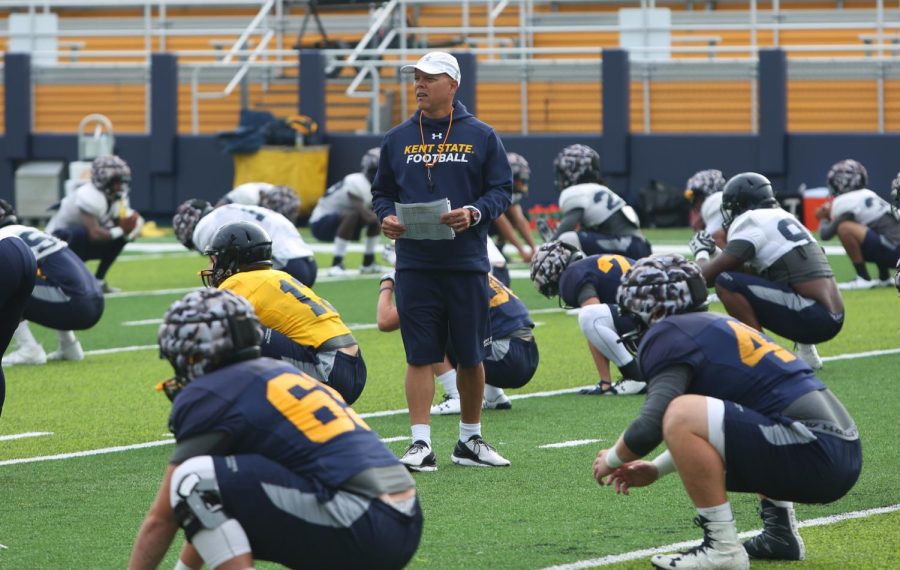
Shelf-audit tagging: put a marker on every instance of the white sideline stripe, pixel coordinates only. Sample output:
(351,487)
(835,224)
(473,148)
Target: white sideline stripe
(395,438)
(87,453)
(24,435)
(153,293)
(626,556)
(573,443)
(142,323)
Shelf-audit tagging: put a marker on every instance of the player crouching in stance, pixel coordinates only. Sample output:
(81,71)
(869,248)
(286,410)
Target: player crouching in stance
(715,385)
(301,327)
(590,283)
(270,464)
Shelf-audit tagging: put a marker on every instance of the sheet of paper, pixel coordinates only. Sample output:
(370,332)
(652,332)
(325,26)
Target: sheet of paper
(422,220)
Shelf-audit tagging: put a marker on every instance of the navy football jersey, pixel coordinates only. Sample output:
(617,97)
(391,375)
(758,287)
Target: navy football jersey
(508,312)
(604,272)
(730,360)
(271,409)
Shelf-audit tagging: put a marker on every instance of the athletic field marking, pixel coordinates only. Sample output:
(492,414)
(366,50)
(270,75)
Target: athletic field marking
(153,293)
(142,323)
(24,435)
(395,438)
(573,443)
(87,453)
(634,555)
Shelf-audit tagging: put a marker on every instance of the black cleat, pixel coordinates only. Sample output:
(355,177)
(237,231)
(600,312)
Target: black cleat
(779,539)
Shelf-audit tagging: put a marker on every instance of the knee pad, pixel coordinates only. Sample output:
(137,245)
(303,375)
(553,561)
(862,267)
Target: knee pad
(194,496)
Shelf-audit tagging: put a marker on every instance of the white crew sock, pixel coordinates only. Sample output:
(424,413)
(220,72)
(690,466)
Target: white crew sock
(421,432)
(492,392)
(720,513)
(468,430)
(448,383)
(24,337)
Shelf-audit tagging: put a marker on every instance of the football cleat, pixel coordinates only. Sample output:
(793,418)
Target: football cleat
(889,282)
(107,288)
(809,354)
(419,457)
(337,271)
(28,354)
(779,539)
(624,387)
(448,406)
(720,549)
(477,453)
(372,268)
(501,402)
(69,352)
(858,283)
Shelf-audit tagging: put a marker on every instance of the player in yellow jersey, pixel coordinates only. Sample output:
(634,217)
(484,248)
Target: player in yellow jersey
(300,327)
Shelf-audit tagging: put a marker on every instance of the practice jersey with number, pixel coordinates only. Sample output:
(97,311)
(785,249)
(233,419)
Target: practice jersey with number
(602,272)
(711,212)
(730,361)
(247,194)
(286,240)
(508,312)
(284,304)
(598,202)
(41,243)
(86,199)
(867,208)
(773,233)
(338,196)
(270,408)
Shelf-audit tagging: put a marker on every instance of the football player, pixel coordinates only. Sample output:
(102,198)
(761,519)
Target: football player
(19,273)
(196,221)
(594,218)
(281,199)
(514,352)
(864,223)
(302,327)
(513,221)
(590,283)
(270,464)
(344,211)
(704,192)
(66,296)
(96,219)
(895,207)
(792,290)
(736,411)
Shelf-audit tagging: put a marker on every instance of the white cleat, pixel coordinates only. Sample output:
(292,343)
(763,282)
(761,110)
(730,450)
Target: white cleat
(448,406)
(501,402)
(478,453)
(372,269)
(69,352)
(29,354)
(858,283)
(809,354)
(337,271)
(719,550)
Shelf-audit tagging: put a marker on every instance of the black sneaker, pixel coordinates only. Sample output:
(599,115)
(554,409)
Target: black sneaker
(419,457)
(779,539)
(477,453)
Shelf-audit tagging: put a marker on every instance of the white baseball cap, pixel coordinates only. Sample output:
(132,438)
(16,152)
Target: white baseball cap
(435,63)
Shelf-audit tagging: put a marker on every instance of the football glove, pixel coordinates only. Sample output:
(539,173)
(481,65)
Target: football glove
(702,241)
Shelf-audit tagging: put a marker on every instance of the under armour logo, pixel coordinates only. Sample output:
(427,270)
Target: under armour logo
(436,136)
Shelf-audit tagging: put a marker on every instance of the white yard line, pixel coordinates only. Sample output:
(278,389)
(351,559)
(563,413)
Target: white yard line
(573,443)
(635,554)
(395,438)
(24,435)
(87,453)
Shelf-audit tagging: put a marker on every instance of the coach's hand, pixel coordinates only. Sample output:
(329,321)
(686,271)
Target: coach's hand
(392,228)
(459,219)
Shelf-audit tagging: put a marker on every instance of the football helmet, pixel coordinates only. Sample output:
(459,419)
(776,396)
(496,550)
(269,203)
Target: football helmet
(8,215)
(520,169)
(111,175)
(281,199)
(702,184)
(203,331)
(746,191)
(236,247)
(846,176)
(895,196)
(548,264)
(186,217)
(576,164)
(369,163)
(659,286)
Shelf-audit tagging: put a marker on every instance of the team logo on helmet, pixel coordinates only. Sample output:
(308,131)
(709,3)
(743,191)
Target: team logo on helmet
(846,176)
(236,247)
(521,170)
(576,164)
(548,264)
(8,215)
(185,220)
(702,184)
(368,165)
(111,175)
(205,330)
(281,199)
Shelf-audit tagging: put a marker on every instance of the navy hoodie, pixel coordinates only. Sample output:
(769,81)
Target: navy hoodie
(471,170)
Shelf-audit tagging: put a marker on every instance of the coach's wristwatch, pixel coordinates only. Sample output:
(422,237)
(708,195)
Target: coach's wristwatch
(476,214)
